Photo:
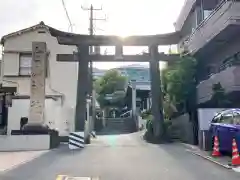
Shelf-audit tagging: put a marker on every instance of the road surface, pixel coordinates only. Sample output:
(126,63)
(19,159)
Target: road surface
(121,157)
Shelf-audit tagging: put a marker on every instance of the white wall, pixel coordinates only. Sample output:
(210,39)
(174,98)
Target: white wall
(63,75)
(56,115)
(24,143)
(205,116)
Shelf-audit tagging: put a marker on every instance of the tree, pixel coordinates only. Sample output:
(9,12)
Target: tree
(110,88)
(219,97)
(179,82)
(168,108)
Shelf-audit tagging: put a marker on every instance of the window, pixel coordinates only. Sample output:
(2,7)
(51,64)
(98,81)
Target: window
(25,64)
(227,117)
(216,119)
(236,117)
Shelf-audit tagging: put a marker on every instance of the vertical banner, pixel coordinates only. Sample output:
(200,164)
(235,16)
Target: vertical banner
(37,85)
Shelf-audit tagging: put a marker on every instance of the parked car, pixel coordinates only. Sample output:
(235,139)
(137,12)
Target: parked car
(226,125)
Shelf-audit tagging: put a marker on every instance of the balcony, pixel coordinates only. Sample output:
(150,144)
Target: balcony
(229,77)
(221,25)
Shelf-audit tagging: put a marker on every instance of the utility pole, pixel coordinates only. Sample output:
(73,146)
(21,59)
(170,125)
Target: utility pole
(92,50)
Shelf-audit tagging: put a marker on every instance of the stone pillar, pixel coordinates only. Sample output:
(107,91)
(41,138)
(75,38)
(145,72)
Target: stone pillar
(156,93)
(104,117)
(37,89)
(82,88)
(148,104)
(134,99)
(119,52)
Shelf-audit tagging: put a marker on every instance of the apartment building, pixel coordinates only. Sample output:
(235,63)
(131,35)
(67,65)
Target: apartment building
(210,32)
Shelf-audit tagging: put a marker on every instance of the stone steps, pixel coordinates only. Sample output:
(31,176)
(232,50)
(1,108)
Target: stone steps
(117,124)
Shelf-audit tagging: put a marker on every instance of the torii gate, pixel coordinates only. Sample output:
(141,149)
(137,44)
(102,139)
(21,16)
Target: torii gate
(83,42)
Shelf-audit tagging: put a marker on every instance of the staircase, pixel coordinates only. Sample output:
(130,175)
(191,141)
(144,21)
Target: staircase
(119,125)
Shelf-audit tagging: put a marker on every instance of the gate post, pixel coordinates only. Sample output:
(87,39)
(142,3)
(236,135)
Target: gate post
(134,106)
(156,92)
(82,89)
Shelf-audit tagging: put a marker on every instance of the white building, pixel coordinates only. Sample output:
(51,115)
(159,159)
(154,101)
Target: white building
(61,78)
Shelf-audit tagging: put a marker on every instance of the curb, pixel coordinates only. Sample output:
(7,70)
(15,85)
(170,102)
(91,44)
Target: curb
(210,159)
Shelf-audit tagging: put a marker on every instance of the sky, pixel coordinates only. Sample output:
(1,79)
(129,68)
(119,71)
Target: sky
(125,17)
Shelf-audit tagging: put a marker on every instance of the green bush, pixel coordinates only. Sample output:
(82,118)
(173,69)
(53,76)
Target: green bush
(145,114)
(149,125)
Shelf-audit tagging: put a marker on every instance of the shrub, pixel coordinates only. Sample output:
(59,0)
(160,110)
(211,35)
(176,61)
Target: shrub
(149,125)
(145,114)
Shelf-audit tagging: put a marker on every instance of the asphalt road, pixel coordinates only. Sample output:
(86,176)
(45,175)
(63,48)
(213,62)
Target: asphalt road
(122,157)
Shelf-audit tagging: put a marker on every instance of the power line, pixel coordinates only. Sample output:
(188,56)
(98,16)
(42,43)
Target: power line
(68,17)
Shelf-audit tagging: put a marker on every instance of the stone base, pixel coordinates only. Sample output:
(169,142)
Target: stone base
(88,140)
(35,129)
(53,135)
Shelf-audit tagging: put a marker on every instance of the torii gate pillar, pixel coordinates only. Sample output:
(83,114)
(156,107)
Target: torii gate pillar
(156,92)
(82,88)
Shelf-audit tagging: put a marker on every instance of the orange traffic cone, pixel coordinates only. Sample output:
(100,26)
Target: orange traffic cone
(216,151)
(235,154)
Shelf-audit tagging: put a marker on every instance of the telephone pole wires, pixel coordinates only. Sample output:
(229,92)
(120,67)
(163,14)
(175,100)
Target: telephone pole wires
(68,17)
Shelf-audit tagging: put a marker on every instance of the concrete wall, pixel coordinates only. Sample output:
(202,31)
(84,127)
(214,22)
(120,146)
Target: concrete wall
(62,78)
(182,129)
(24,143)
(229,79)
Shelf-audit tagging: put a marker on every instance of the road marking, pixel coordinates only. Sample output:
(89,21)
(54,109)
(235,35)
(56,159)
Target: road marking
(65,177)
(61,177)
(78,178)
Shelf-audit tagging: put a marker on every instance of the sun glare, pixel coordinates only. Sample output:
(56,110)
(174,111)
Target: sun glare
(122,34)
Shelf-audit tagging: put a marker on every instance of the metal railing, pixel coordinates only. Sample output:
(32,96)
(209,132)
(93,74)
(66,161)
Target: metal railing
(230,62)
(205,21)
